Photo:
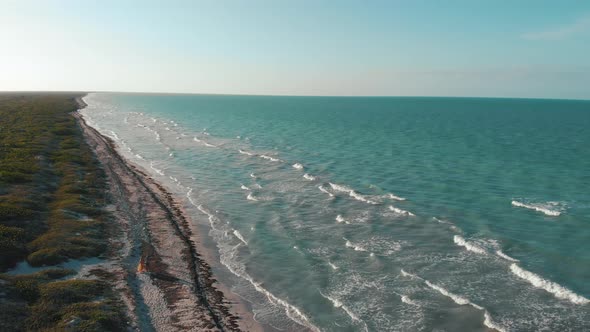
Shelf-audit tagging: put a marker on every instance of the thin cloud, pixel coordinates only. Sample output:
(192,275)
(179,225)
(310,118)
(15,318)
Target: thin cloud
(561,32)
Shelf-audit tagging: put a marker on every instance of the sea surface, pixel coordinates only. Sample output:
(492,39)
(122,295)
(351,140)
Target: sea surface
(378,214)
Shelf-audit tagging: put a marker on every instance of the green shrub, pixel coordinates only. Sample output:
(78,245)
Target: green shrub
(46,256)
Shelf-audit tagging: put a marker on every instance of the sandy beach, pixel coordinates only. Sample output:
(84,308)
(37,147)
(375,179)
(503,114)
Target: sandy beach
(160,270)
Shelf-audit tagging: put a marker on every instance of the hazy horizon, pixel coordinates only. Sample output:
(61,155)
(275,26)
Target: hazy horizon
(526,50)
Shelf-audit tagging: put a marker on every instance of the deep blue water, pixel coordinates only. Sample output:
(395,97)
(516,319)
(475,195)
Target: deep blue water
(493,230)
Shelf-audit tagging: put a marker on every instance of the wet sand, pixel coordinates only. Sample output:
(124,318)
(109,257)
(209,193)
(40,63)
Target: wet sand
(158,262)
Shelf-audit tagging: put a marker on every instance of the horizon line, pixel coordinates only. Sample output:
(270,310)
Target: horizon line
(284,95)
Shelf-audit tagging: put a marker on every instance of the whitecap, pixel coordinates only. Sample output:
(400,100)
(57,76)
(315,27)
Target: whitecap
(338,304)
(490,323)
(407,300)
(309,177)
(546,208)
(239,236)
(394,197)
(456,298)
(506,257)
(297,166)
(450,224)
(243,187)
(351,193)
(341,219)
(263,156)
(400,211)
(334,267)
(460,241)
(251,197)
(245,152)
(349,244)
(407,274)
(551,287)
(322,189)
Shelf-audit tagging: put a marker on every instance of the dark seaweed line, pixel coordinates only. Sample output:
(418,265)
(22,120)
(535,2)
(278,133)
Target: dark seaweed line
(194,260)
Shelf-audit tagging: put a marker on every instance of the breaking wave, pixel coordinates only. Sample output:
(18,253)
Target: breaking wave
(506,257)
(551,287)
(351,193)
(239,236)
(460,241)
(309,177)
(549,208)
(394,197)
(322,189)
(400,211)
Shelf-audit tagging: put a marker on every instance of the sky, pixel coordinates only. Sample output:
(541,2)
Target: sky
(495,48)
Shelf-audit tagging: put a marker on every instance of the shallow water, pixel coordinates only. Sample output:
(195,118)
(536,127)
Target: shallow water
(379,214)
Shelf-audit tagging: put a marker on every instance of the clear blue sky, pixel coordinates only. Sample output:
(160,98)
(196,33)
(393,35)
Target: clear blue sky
(429,48)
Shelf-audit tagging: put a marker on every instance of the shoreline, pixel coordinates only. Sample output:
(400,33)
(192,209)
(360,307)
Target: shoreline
(181,278)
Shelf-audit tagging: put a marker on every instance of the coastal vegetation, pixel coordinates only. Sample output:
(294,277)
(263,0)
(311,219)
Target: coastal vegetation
(51,210)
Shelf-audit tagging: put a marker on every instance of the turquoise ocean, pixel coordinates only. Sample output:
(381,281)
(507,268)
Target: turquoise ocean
(378,214)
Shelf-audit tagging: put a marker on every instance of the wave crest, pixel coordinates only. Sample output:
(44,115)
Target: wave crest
(551,287)
(460,241)
(549,208)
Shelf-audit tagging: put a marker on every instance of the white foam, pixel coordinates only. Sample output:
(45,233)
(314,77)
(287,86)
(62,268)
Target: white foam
(490,323)
(243,187)
(209,145)
(351,193)
(459,300)
(354,246)
(539,207)
(394,197)
(460,241)
(506,257)
(297,166)
(334,267)
(407,274)
(251,197)
(253,176)
(341,219)
(456,298)
(263,156)
(196,139)
(322,189)
(407,300)
(400,211)
(239,236)
(551,287)
(309,177)
(245,152)
(338,304)
(138,156)
(159,171)
(291,311)
(114,135)
(450,224)
(341,188)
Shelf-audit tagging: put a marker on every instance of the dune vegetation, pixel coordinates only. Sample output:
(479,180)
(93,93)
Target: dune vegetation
(51,210)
